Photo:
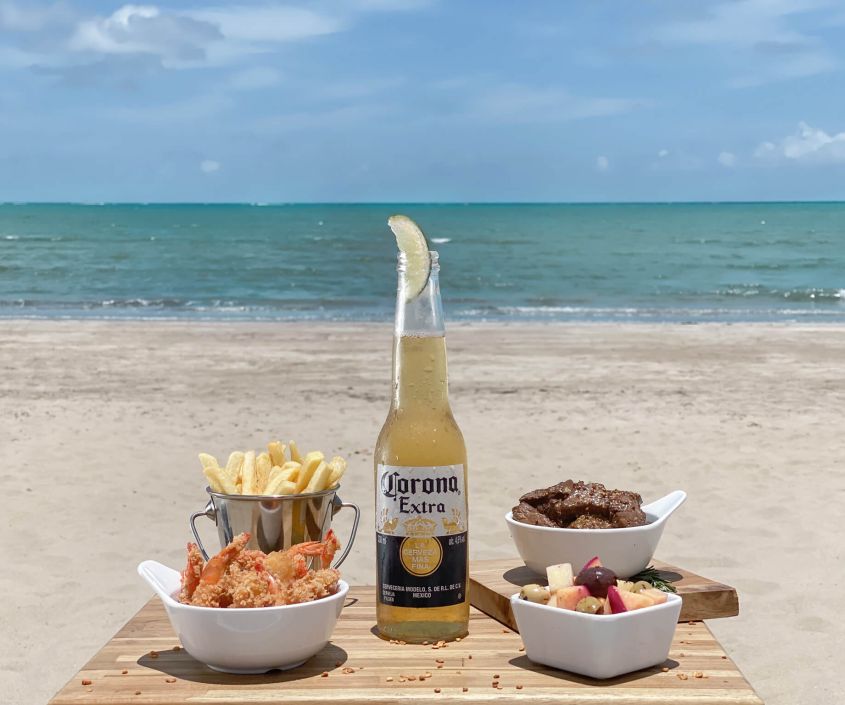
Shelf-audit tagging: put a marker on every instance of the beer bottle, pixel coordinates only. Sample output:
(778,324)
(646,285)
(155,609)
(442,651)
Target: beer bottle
(421,479)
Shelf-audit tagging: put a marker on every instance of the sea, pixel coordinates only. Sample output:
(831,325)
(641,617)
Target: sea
(674,262)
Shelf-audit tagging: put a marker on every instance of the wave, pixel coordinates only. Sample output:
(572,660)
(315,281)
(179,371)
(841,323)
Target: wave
(164,309)
(631,314)
(441,240)
(808,295)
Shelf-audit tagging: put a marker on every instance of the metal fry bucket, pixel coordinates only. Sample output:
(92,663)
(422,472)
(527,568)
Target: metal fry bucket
(276,523)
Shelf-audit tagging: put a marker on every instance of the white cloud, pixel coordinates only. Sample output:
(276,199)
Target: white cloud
(526,104)
(16,17)
(59,35)
(663,153)
(144,29)
(762,31)
(391,5)
(209,166)
(740,23)
(727,159)
(808,145)
(254,78)
(267,23)
(799,65)
(602,163)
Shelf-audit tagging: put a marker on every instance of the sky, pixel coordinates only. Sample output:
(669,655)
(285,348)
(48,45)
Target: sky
(422,100)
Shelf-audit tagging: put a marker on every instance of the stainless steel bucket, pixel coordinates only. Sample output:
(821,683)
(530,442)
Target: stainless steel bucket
(275,523)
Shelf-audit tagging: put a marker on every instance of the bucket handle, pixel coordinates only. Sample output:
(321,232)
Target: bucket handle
(211,513)
(352,533)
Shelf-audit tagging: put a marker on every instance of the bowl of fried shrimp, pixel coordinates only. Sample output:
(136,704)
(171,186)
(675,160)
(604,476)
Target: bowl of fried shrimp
(245,611)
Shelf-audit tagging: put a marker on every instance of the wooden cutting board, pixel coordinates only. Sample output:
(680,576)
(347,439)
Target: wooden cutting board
(493,582)
(140,666)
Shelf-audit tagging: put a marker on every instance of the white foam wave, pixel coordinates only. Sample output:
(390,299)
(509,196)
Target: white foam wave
(12,237)
(441,240)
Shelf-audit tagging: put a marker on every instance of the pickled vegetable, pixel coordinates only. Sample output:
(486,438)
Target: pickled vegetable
(589,605)
(535,593)
(597,580)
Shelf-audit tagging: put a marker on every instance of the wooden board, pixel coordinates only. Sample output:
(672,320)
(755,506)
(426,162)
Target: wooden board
(493,582)
(173,677)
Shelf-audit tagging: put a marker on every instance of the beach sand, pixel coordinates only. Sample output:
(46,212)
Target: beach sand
(102,421)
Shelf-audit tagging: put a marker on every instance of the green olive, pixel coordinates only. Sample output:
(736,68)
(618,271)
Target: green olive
(590,605)
(535,593)
(641,585)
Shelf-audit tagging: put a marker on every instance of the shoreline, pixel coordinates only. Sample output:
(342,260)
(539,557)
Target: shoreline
(103,421)
(450,323)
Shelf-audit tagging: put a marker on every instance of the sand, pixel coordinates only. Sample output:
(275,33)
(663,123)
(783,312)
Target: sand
(101,423)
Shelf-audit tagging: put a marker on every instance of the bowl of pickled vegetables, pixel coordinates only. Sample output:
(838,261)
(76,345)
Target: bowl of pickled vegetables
(593,623)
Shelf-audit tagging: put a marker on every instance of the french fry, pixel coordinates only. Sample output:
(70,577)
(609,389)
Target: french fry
(278,485)
(249,481)
(294,452)
(219,481)
(277,453)
(294,467)
(287,488)
(309,465)
(271,473)
(262,472)
(338,467)
(288,471)
(234,464)
(320,479)
(208,461)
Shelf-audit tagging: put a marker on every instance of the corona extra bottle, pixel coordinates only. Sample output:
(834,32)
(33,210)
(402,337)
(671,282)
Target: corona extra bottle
(420,467)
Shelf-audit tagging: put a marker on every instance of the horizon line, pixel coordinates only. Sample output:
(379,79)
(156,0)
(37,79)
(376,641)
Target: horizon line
(264,204)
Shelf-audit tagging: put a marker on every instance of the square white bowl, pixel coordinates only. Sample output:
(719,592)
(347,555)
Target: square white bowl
(597,645)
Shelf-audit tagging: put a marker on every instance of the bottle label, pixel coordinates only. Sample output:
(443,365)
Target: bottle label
(421,535)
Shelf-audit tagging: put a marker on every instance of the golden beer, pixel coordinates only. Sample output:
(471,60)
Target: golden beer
(421,483)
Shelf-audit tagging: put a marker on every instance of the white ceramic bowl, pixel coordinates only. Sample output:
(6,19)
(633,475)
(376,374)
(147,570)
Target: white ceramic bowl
(597,645)
(625,551)
(249,639)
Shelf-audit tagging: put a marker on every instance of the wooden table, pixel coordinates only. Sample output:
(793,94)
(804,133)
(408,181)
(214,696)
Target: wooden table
(143,665)
(492,583)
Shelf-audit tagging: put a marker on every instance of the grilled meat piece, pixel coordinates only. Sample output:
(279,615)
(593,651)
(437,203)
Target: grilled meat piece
(589,521)
(594,498)
(527,514)
(537,498)
(581,505)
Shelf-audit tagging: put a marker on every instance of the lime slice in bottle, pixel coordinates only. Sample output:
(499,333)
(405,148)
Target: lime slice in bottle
(411,241)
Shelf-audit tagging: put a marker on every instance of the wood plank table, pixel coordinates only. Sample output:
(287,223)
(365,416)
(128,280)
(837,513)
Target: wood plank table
(492,583)
(142,665)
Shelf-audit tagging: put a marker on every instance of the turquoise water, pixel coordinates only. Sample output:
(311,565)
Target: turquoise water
(672,262)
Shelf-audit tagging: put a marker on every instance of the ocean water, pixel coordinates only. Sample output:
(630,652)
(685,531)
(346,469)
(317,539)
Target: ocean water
(644,262)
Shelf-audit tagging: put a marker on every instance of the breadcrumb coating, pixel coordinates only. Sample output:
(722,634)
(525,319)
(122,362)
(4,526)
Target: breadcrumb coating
(238,577)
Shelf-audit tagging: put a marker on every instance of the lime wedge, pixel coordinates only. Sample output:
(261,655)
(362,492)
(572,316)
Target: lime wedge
(411,241)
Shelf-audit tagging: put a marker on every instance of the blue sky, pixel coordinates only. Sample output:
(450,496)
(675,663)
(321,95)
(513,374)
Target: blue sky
(422,100)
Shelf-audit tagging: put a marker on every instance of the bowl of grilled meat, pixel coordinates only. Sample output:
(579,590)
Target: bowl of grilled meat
(574,521)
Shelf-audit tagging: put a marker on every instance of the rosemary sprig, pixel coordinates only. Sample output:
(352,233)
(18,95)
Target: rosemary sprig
(653,576)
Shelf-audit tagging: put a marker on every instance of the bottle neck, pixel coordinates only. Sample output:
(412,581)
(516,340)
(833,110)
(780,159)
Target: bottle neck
(422,315)
(420,378)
